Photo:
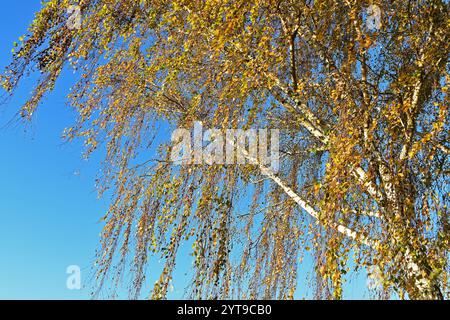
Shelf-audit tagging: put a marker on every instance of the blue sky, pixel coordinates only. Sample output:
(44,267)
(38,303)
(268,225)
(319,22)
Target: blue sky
(48,204)
(49,208)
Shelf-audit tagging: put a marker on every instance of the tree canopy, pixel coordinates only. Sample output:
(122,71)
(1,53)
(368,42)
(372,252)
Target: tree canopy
(363,115)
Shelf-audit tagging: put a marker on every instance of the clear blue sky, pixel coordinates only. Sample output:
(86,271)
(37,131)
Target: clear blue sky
(49,210)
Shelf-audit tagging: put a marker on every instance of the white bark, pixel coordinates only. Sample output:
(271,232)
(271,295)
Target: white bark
(443,148)
(306,206)
(413,270)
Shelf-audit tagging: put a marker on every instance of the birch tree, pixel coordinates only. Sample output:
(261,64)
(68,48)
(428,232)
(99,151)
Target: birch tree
(358,89)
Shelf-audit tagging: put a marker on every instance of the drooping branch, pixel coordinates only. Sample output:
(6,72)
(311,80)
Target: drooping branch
(311,123)
(304,204)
